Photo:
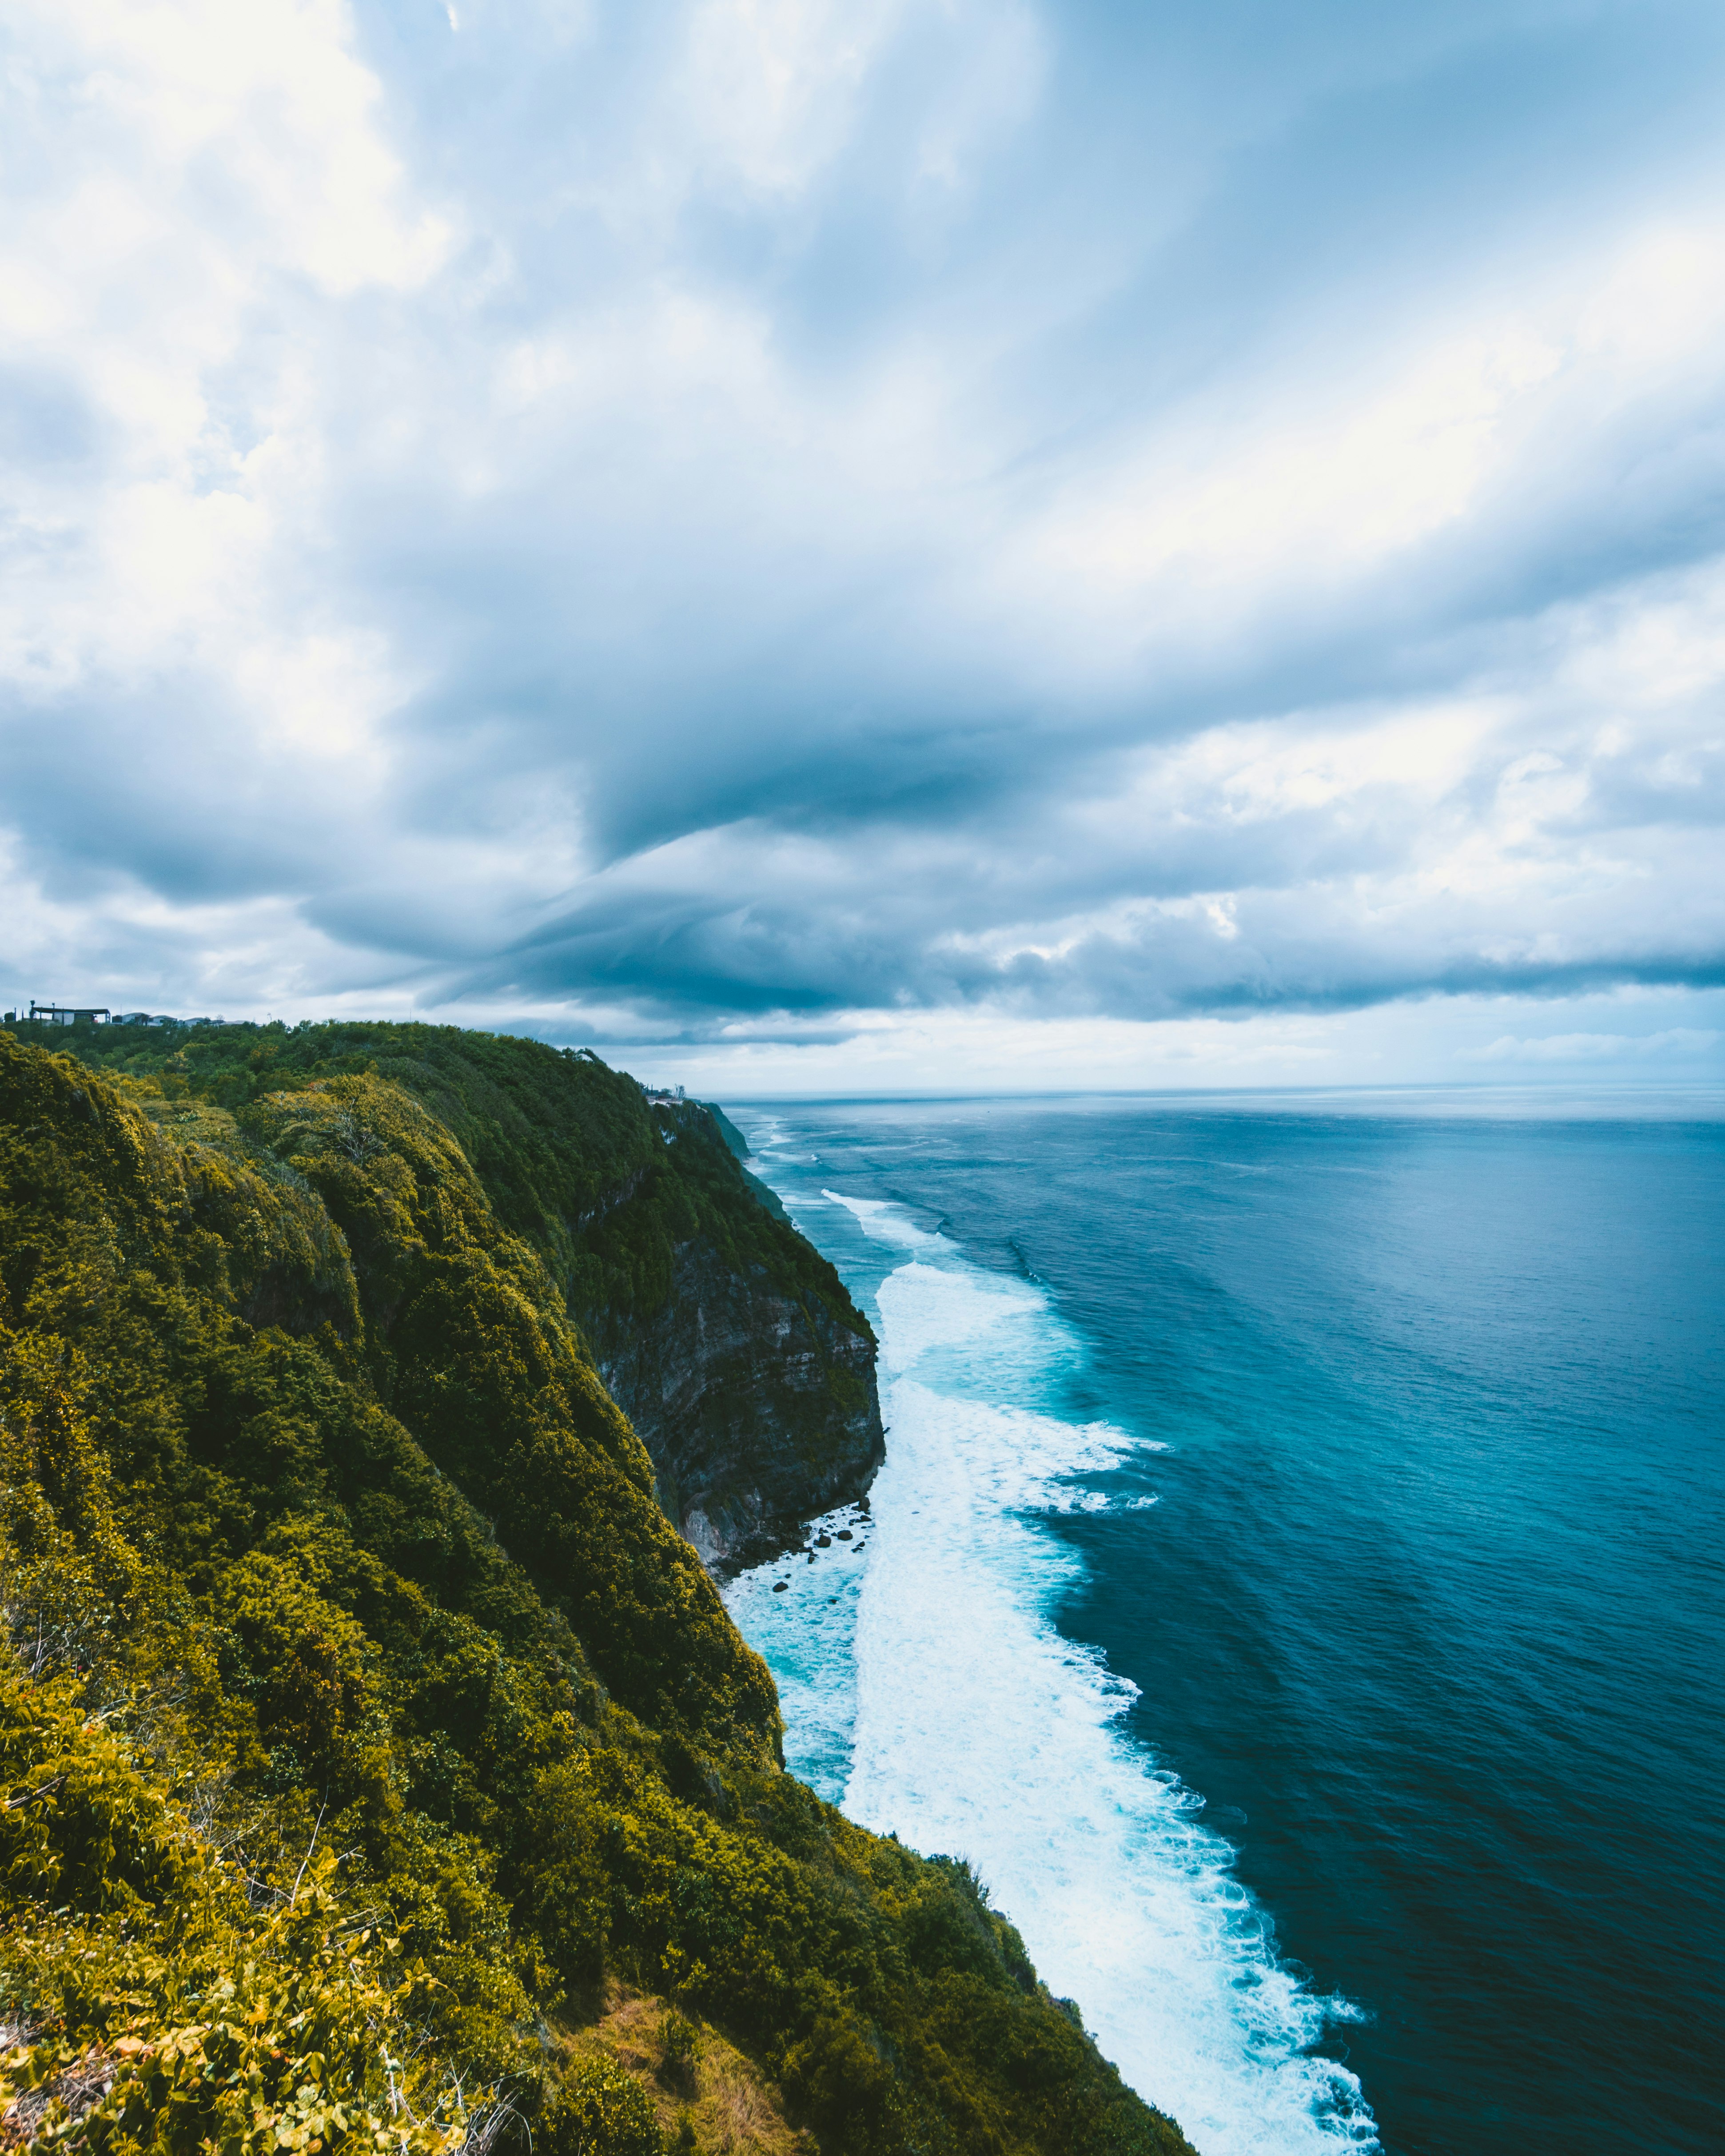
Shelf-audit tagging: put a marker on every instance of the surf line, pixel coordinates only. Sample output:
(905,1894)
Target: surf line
(937,1699)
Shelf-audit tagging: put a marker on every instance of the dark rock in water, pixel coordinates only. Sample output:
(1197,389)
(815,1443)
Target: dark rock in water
(811,1556)
(780,1585)
(844,1534)
(822,1542)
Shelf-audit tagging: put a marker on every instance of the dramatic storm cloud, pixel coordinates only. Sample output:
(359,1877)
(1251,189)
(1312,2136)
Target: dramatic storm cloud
(917,539)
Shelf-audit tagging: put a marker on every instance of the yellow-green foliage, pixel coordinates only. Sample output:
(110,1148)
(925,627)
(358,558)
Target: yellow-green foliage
(367,1711)
(599,2111)
(607,1190)
(159,1992)
(570,1155)
(705,2093)
(165,2006)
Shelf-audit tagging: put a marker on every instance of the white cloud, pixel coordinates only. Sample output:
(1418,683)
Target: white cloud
(771,84)
(1674,1043)
(1282,487)
(268,103)
(206,183)
(773,509)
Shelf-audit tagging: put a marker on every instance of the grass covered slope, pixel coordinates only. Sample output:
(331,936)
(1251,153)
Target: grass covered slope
(368,1733)
(731,1341)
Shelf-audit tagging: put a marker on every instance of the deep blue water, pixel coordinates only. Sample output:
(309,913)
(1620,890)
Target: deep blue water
(1422,1602)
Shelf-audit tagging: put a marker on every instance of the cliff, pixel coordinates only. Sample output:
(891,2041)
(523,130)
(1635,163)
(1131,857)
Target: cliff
(755,1395)
(381,1770)
(729,1342)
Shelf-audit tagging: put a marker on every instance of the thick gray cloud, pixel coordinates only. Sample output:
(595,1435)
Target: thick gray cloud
(711,519)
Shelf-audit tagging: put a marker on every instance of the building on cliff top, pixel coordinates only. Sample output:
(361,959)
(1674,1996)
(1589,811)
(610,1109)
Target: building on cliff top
(67,1013)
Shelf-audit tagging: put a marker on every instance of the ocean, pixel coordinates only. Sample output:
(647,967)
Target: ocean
(1296,1585)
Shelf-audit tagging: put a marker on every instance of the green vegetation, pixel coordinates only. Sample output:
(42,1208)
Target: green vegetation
(367,1724)
(573,1160)
(622,1202)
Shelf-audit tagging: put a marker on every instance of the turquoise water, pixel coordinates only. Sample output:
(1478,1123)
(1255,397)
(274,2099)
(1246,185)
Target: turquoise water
(1296,1584)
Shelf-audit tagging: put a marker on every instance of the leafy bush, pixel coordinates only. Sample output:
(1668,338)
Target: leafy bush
(159,2004)
(677,2050)
(599,2111)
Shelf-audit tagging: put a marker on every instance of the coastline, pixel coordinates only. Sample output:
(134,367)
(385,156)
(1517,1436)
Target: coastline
(998,1738)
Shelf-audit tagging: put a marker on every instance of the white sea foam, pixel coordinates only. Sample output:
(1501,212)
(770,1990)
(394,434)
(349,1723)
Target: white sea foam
(926,1680)
(800,1612)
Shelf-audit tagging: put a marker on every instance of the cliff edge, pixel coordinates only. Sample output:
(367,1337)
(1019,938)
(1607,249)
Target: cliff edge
(728,1341)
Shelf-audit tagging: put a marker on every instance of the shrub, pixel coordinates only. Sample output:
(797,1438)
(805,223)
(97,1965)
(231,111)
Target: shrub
(599,2111)
(679,2047)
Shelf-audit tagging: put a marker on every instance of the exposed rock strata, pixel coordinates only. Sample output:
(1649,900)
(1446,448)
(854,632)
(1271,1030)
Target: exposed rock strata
(761,1411)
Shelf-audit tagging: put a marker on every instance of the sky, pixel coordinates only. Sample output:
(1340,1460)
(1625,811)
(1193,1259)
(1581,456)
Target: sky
(893,546)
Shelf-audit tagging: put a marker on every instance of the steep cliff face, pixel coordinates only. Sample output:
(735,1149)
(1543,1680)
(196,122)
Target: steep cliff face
(759,1408)
(743,1364)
